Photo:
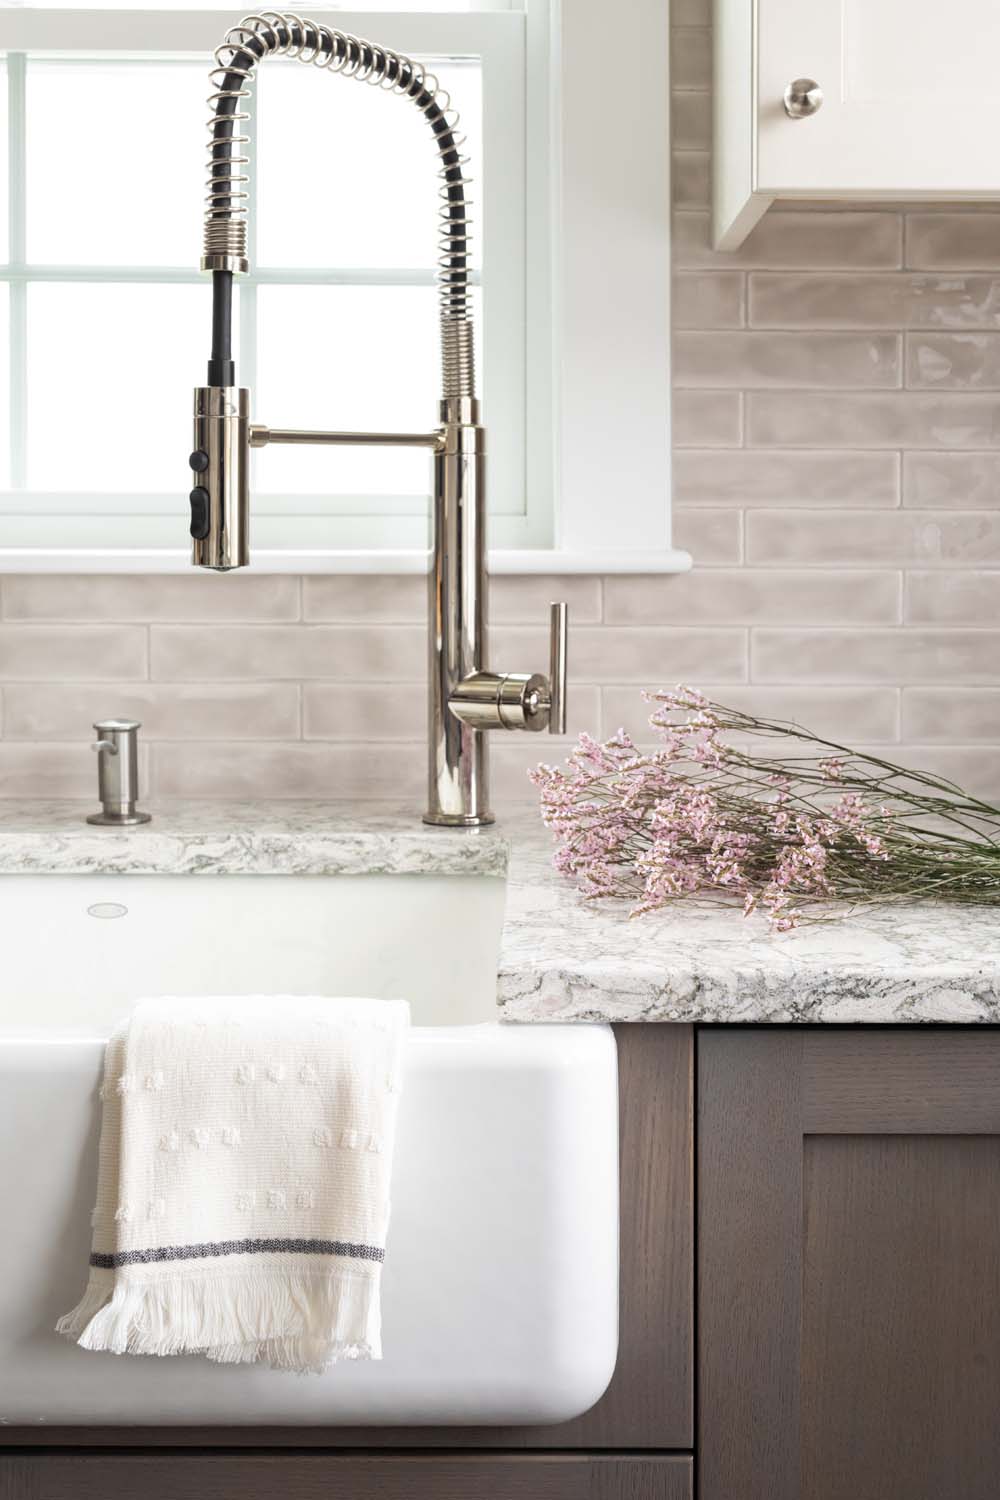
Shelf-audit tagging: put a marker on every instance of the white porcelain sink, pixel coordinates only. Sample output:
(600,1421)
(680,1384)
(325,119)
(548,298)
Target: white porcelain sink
(500,1283)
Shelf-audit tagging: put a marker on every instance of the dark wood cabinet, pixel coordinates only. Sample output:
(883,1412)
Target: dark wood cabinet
(849,1264)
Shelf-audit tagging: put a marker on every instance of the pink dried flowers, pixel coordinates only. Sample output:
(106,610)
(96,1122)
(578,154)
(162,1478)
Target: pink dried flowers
(778,827)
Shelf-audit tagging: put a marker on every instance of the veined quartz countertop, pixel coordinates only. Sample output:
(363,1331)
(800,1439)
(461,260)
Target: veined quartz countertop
(562,959)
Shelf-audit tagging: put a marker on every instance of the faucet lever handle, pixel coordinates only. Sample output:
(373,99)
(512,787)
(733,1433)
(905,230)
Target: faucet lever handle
(558,629)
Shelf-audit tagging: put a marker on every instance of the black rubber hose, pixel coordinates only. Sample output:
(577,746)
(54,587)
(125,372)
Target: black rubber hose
(221,369)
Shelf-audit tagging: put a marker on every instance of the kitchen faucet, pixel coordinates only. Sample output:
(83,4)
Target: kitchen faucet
(465,698)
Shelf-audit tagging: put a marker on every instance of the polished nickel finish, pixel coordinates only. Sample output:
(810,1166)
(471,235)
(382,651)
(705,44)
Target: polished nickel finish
(220,497)
(117,773)
(466,699)
(802,98)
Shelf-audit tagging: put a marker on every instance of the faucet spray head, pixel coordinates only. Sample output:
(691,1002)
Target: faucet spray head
(220,463)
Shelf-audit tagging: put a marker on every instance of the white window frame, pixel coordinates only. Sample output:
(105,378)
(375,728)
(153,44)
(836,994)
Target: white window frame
(581,464)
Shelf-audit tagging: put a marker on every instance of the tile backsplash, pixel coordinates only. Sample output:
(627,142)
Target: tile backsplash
(836,477)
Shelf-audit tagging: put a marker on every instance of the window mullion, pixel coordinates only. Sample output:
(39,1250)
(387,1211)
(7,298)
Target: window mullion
(18,291)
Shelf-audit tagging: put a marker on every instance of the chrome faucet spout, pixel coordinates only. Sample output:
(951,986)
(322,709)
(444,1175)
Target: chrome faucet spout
(465,698)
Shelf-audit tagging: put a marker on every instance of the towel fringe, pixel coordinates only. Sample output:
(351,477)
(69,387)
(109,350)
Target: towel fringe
(294,1320)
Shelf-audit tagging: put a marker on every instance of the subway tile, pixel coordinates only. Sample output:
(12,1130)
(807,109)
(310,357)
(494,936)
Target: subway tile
(969,598)
(952,241)
(975,768)
(524,599)
(690,179)
(966,481)
(122,596)
(782,300)
(691,121)
(691,58)
(385,653)
(746,596)
(707,419)
(42,770)
(229,711)
(649,656)
(912,419)
(709,299)
(239,771)
(804,361)
(53,653)
(953,361)
(843,713)
(862,656)
(760,477)
(890,538)
(955,714)
(806,240)
(364,711)
(365,597)
(712,536)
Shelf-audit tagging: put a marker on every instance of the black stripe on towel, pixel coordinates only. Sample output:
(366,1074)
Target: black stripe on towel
(236,1247)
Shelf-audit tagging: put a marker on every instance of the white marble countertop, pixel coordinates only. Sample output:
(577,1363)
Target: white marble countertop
(562,959)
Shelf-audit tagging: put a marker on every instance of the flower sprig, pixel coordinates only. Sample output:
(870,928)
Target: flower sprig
(761,812)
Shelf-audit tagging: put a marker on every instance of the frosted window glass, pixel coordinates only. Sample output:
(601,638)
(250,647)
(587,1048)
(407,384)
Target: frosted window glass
(4,229)
(347,174)
(115,162)
(110,375)
(4,388)
(348,358)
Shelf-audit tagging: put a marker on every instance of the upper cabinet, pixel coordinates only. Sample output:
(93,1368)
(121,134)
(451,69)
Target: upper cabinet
(850,99)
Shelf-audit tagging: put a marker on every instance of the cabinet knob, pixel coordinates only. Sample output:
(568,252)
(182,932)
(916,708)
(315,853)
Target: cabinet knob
(803,97)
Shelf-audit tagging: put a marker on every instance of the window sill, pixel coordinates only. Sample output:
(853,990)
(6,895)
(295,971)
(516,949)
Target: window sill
(178,560)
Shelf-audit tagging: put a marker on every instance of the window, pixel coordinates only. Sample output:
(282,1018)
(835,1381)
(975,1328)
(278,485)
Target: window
(106,316)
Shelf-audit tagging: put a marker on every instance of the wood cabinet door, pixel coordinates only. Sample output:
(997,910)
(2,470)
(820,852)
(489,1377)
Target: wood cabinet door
(898,113)
(263,1476)
(849,1264)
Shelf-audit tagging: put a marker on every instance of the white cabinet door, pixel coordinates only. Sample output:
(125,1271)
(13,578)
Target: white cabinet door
(911,104)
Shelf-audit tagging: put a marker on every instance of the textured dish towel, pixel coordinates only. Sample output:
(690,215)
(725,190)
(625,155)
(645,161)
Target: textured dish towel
(243,1181)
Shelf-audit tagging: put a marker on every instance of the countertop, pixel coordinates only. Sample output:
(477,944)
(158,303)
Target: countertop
(562,959)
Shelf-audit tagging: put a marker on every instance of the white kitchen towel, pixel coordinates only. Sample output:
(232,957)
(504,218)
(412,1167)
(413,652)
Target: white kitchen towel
(243,1180)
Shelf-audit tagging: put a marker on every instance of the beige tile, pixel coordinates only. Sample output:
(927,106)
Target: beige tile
(912,419)
(709,299)
(860,656)
(691,121)
(230,772)
(707,419)
(712,536)
(953,361)
(524,599)
(955,714)
(512,757)
(884,537)
(41,770)
(952,241)
(965,481)
(359,653)
(749,477)
(852,714)
(53,653)
(228,711)
(690,179)
(366,598)
(691,13)
(782,300)
(972,767)
(836,240)
(364,711)
(745,596)
(650,656)
(803,361)
(968,598)
(691,58)
(120,596)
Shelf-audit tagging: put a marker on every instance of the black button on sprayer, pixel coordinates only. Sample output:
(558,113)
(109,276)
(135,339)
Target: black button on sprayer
(199,461)
(199,498)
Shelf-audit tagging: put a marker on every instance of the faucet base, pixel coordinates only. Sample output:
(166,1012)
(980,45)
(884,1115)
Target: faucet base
(458,820)
(119,819)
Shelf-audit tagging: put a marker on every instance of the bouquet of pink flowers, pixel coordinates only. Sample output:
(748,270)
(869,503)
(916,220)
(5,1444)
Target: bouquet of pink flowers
(777,819)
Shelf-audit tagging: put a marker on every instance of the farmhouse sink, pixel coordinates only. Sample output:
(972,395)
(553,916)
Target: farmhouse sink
(500,1283)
